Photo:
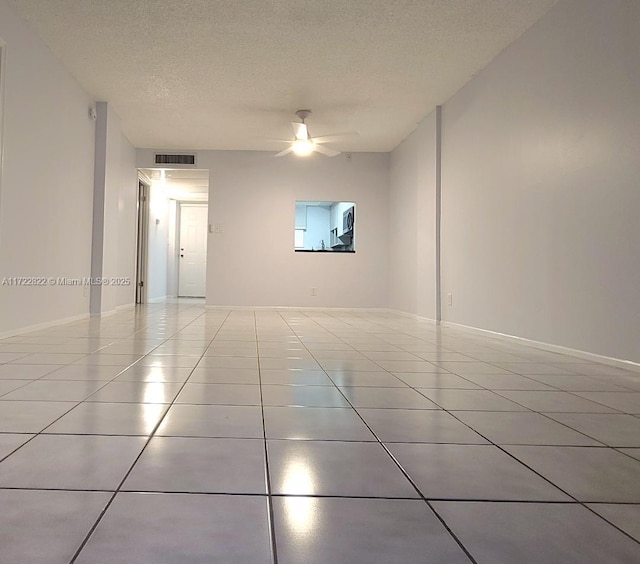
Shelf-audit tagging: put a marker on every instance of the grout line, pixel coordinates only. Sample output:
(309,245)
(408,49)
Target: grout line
(420,499)
(271,513)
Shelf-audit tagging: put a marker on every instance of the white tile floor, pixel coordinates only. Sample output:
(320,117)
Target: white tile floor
(175,434)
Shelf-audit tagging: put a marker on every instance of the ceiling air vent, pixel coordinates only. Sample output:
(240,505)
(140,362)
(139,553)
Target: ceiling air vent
(161,159)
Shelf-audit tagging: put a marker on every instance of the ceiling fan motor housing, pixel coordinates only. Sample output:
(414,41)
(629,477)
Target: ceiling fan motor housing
(303,114)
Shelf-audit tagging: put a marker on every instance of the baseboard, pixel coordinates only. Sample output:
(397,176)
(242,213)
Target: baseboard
(610,361)
(584,355)
(102,314)
(117,309)
(157,300)
(414,316)
(40,326)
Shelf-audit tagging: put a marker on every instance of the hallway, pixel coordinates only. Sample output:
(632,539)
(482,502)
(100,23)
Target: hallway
(176,433)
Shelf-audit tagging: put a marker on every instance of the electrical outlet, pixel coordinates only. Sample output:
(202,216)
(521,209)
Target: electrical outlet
(313,291)
(450,299)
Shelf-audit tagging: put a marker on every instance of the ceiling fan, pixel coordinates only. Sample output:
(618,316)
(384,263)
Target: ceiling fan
(303,144)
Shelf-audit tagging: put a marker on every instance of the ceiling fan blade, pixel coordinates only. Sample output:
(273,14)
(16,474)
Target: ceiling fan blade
(285,152)
(272,139)
(300,129)
(335,136)
(325,150)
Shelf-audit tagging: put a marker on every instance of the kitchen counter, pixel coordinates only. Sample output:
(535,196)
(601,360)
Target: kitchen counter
(321,251)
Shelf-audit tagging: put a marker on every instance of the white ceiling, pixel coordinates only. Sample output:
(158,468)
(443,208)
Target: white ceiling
(227,74)
(180,184)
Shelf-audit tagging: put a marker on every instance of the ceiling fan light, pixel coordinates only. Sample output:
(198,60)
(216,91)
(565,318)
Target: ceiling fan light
(303,147)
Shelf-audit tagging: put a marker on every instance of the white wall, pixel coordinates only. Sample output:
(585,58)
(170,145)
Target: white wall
(540,168)
(301,215)
(47,182)
(318,228)
(412,199)
(252,200)
(158,243)
(121,185)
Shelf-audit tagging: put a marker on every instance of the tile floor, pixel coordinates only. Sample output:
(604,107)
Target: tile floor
(175,434)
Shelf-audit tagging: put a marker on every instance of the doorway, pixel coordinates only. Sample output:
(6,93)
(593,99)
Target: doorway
(192,275)
(172,215)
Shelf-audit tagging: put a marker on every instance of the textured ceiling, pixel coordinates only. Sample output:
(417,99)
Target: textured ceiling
(226,74)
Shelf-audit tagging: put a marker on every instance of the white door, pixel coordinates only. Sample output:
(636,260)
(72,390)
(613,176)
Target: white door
(193,251)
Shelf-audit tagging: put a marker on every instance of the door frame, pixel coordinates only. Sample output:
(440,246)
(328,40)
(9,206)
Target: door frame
(142,240)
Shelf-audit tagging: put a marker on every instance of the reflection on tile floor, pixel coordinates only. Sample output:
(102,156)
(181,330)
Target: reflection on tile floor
(174,433)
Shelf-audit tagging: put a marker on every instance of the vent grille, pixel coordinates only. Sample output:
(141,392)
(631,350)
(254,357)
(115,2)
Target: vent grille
(161,159)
